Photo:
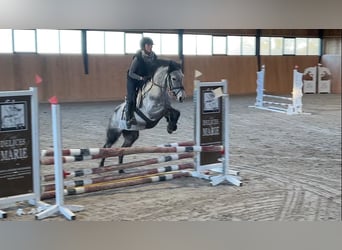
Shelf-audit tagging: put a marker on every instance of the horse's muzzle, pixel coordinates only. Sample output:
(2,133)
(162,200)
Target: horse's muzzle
(181,96)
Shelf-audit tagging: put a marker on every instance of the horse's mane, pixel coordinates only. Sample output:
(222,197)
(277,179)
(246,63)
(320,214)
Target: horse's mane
(172,65)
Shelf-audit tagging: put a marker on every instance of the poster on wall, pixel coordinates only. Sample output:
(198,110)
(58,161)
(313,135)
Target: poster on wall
(16,163)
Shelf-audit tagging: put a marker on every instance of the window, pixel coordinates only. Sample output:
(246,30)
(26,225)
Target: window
(219,45)
(234,45)
(169,44)
(271,46)
(289,46)
(6,41)
(301,46)
(189,44)
(115,42)
(70,41)
(276,47)
(24,40)
(197,44)
(248,45)
(47,41)
(314,46)
(95,42)
(265,46)
(132,42)
(204,45)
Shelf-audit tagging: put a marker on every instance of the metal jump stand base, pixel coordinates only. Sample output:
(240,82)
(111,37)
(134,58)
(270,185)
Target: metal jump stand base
(3,214)
(218,179)
(215,180)
(232,176)
(65,210)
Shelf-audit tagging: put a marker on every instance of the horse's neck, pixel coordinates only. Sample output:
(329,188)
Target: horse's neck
(157,87)
(155,96)
(155,92)
(160,75)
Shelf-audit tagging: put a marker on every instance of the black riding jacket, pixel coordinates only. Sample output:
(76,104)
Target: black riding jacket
(142,65)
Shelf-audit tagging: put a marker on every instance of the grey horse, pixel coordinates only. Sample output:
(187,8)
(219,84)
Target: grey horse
(153,103)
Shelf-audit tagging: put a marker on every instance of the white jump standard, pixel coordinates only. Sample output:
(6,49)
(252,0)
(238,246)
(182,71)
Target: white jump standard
(211,120)
(290,105)
(59,207)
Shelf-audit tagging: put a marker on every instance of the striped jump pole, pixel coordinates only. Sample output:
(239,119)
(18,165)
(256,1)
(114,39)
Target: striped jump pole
(73,155)
(108,152)
(116,184)
(116,167)
(88,181)
(177,144)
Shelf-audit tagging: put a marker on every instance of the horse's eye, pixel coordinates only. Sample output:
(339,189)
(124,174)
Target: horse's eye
(174,78)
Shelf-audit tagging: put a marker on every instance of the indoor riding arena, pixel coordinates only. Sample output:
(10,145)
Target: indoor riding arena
(289,164)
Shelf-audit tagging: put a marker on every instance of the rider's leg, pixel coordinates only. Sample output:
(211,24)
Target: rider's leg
(131,100)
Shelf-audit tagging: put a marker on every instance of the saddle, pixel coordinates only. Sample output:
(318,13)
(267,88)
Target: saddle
(139,104)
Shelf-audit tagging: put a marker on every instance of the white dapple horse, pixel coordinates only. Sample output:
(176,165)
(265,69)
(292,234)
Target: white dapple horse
(153,104)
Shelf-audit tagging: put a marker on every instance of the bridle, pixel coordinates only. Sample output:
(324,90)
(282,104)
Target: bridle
(167,85)
(174,90)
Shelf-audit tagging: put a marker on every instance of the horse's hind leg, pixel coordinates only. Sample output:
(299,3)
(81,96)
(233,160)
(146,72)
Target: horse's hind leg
(130,137)
(113,135)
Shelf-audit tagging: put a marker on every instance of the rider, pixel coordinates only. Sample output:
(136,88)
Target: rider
(138,74)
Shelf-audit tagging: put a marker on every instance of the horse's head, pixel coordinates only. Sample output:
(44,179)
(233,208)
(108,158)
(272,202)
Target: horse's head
(175,80)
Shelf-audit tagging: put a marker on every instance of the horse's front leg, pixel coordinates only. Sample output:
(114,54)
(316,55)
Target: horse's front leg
(130,136)
(172,117)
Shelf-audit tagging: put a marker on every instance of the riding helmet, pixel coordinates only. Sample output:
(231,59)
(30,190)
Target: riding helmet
(145,40)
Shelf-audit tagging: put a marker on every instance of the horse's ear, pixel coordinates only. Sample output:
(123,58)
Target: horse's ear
(173,66)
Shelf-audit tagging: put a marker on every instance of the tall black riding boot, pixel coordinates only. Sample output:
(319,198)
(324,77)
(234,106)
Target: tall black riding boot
(130,119)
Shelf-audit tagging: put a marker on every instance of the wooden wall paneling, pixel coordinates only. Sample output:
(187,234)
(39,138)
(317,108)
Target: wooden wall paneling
(108,75)
(290,32)
(50,71)
(7,82)
(332,33)
(24,68)
(238,70)
(64,76)
(73,79)
(279,71)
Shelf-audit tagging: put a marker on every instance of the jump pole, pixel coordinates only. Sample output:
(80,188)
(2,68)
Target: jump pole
(59,207)
(122,166)
(117,184)
(72,155)
(215,95)
(106,178)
